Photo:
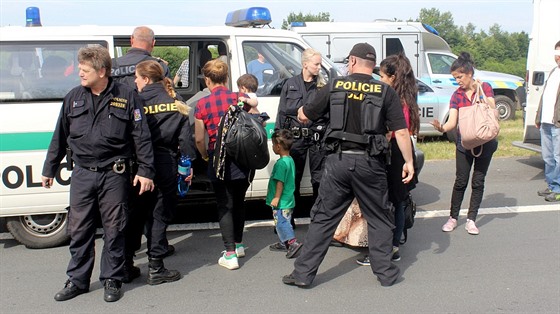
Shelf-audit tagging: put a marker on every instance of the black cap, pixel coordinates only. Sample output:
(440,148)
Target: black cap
(363,51)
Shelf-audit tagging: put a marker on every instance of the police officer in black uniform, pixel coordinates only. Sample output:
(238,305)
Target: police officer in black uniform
(168,119)
(296,92)
(123,70)
(142,43)
(102,123)
(361,111)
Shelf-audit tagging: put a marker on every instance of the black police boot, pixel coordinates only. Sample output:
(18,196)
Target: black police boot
(158,274)
(131,272)
(112,290)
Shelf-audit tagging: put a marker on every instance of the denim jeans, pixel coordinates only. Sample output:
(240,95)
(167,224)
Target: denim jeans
(284,228)
(550,144)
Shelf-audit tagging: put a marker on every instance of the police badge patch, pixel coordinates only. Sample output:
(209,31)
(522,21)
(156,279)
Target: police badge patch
(137,115)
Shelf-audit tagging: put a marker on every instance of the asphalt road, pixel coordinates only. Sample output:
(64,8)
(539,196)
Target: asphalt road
(512,266)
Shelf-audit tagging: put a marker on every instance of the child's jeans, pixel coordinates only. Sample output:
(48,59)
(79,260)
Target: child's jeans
(282,218)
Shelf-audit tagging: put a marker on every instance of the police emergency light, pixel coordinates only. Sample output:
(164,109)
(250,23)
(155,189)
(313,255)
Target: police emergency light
(32,17)
(430,29)
(251,17)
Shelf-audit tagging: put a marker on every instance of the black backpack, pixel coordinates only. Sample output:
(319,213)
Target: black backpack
(409,214)
(246,141)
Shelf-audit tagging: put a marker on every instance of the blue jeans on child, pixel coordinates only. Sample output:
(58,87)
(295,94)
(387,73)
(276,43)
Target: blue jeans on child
(282,218)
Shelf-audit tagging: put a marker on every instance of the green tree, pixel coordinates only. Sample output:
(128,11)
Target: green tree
(442,22)
(292,17)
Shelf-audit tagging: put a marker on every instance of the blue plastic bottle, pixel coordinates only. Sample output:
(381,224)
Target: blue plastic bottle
(184,170)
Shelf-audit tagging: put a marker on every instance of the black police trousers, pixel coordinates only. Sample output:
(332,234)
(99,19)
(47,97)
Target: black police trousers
(94,194)
(151,213)
(347,176)
(299,151)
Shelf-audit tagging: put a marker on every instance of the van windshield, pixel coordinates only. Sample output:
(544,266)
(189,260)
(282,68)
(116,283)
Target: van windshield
(39,70)
(273,63)
(440,63)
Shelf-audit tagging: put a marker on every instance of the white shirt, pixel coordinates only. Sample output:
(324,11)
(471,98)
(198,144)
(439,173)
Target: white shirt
(549,96)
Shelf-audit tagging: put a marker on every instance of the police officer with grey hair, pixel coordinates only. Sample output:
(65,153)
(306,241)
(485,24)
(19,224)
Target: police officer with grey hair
(362,110)
(102,123)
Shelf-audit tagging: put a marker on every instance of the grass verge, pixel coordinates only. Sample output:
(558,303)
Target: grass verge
(438,148)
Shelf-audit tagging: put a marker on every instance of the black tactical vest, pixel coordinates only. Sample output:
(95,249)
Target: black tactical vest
(369,96)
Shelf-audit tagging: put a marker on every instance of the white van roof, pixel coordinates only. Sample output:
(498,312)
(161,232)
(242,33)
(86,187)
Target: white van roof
(430,41)
(11,32)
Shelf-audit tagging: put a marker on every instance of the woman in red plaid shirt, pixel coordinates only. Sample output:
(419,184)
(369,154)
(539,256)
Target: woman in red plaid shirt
(230,190)
(462,70)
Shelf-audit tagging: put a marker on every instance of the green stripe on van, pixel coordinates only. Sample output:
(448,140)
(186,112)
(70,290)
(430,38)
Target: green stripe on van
(25,141)
(41,140)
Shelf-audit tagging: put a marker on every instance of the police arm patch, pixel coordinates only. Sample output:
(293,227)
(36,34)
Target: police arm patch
(137,115)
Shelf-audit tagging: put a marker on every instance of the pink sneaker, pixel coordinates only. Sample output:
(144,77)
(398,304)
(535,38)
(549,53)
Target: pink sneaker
(450,225)
(471,227)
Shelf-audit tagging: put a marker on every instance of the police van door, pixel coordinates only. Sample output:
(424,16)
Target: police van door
(408,44)
(283,61)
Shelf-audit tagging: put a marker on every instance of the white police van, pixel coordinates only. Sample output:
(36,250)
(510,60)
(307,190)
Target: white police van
(38,66)
(545,33)
(429,54)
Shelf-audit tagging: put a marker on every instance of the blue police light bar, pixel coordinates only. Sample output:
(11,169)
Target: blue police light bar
(32,17)
(250,17)
(430,29)
(297,24)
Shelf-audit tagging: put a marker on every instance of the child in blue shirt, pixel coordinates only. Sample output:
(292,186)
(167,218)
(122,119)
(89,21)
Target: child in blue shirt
(280,195)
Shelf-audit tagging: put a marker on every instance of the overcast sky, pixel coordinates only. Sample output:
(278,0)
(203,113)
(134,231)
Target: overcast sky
(512,15)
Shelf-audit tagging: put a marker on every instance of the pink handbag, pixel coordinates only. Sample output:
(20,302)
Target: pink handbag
(478,123)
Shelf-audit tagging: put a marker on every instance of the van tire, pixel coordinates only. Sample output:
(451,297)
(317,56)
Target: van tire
(505,106)
(39,231)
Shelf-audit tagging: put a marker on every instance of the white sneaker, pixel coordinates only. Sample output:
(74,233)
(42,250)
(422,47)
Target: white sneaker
(229,262)
(450,225)
(471,227)
(240,249)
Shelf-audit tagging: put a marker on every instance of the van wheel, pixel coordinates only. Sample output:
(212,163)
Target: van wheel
(505,106)
(39,231)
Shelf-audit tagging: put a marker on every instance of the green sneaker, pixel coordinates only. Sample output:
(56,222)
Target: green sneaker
(240,249)
(229,261)
(552,197)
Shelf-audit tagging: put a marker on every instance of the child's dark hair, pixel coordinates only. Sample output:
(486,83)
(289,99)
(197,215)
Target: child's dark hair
(463,64)
(283,137)
(248,81)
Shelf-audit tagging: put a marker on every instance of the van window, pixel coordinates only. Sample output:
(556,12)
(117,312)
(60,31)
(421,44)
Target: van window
(39,70)
(393,46)
(278,62)
(440,63)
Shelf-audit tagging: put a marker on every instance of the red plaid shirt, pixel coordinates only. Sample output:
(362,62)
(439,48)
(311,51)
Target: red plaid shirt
(460,99)
(211,108)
